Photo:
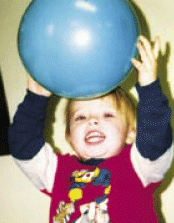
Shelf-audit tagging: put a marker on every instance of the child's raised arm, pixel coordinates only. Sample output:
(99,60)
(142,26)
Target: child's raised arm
(154,135)
(27,144)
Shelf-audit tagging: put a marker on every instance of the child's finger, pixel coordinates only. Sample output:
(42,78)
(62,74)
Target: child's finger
(147,47)
(157,47)
(30,81)
(137,64)
(142,52)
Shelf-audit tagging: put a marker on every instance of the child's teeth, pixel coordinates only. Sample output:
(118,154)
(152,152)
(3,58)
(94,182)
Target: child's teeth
(94,134)
(95,137)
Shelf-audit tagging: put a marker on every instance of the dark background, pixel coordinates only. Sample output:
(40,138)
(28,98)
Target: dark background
(4,124)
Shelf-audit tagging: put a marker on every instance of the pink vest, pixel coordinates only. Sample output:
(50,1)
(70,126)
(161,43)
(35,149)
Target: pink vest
(113,185)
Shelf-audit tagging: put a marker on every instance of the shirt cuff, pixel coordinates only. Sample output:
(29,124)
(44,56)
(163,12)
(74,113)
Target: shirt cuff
(151,90)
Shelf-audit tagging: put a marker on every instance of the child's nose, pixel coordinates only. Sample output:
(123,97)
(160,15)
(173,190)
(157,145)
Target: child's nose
(93,121)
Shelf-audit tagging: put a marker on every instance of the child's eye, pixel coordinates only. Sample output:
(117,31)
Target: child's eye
(80,118)
(109,115)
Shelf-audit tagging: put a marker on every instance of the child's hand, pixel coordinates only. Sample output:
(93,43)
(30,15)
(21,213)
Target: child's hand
(36,88)
(147,67)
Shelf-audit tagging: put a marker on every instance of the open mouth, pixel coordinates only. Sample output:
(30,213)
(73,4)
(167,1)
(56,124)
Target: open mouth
(94,137)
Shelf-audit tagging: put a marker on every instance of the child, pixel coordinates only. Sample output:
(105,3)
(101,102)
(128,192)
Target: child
(113,176)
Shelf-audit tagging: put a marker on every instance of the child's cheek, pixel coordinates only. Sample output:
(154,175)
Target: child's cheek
(74,128)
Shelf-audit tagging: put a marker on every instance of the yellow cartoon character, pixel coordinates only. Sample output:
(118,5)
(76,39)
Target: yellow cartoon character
(79,179)
(63,212)
(85,176)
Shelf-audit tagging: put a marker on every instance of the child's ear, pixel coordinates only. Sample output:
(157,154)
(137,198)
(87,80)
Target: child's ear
(131,135)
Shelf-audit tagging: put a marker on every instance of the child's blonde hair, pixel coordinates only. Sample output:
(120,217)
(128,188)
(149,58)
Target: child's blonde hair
(125,104)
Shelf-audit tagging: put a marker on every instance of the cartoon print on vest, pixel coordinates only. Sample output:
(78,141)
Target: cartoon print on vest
(95,211)
(63,212)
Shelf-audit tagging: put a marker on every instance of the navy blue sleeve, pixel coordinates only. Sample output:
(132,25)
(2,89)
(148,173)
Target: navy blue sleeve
(154,134)
(26,132)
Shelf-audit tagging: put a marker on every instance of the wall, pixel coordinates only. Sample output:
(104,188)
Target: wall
(19,200)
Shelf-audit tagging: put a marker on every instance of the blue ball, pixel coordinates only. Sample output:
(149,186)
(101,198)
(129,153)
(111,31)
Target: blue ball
(78,48)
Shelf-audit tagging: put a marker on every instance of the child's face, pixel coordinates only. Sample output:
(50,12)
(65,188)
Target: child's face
(97,130)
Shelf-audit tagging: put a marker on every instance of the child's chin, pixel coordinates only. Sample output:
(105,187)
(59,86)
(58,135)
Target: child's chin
(98,154)
(101,152)
(91,156)
(104,154)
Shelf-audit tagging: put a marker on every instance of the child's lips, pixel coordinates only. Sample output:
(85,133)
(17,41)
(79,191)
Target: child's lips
(94,137)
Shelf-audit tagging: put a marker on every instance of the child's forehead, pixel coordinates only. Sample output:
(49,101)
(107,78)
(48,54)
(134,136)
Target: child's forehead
(108,101)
